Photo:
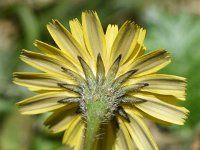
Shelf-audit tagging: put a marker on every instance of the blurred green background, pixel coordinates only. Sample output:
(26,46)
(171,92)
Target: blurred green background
(170,24)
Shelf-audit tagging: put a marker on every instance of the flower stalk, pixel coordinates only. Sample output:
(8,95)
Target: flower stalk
(96,111)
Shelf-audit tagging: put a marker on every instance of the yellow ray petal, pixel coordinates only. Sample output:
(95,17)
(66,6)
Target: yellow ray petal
(74,135)
(49,49)
(142,36)
(57,54)
(45,63)
(162,84)
(128,139)
(40,90)
(142,49)
(126,41)
(66,41)
(156,120)
(139,132)
(75,119)
(111,33)
(42,81)
(77,32)
(161,110)
(138,48)
(44,102)
(166,98)
(149,63)
(93,34)
(59,120)
(110,136)
(121,143)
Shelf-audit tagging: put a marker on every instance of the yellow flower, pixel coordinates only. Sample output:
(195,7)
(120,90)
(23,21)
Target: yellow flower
(99,87)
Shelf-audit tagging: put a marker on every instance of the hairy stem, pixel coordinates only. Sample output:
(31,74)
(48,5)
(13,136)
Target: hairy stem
(95,113)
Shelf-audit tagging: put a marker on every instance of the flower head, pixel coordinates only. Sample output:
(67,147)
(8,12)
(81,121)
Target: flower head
(99,87)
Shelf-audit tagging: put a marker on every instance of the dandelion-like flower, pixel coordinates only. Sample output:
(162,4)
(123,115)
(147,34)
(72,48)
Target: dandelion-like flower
(99,87)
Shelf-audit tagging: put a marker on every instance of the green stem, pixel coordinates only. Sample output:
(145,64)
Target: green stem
(91,132)
(95,114)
